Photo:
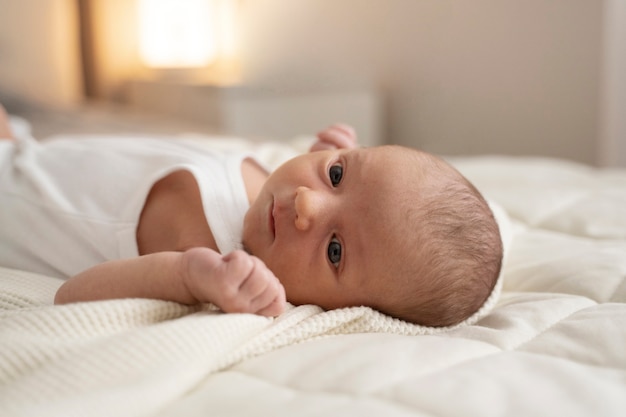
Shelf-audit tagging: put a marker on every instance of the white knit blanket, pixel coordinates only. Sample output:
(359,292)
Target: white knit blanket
(131,357)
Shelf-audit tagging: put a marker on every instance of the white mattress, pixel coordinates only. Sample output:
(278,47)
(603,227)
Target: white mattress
(554,345)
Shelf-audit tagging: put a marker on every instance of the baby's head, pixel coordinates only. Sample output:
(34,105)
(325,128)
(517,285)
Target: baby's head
(451,244)
(389,227)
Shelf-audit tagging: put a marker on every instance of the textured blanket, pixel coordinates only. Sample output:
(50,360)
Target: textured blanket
(142,353)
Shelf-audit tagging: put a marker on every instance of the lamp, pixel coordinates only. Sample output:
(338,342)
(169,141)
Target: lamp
(185,33)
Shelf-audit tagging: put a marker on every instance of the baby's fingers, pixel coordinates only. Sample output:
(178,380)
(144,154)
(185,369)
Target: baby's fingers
(338,136)
(322,146)
(261,289)
(347,130)
(5,129)
(271,302)
(276,307)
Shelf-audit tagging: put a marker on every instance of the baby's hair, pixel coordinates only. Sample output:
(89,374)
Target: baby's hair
(453,249)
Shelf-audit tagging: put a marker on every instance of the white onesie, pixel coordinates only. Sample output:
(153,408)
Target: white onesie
(66,205)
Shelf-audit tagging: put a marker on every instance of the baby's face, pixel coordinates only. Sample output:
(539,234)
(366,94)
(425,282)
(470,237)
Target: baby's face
(321,224)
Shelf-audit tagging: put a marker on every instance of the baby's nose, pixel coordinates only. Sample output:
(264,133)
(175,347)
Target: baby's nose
(310,207)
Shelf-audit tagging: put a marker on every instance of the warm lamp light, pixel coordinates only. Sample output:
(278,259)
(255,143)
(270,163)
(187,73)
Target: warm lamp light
(185,33)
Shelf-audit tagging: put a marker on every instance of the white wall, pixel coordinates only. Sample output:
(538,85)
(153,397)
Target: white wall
(459,76)
(613,98)
(39,50)
(456,76)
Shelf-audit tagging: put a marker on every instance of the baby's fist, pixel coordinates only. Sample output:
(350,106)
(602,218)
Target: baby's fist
(337,136)
(236,283)
(251,286)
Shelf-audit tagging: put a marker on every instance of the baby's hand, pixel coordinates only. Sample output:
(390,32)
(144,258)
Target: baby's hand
(338,136)
(5,129)
(236,283)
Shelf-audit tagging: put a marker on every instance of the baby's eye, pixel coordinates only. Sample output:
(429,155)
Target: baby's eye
(336,174)
(334,252)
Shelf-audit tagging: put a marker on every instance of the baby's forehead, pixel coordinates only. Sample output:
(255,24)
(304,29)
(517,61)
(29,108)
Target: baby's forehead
(397,168)
(402,157)
(381,196)
(379,263)
(396,184)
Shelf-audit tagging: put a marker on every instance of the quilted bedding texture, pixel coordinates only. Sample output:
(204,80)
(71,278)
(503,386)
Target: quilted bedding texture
(554,344)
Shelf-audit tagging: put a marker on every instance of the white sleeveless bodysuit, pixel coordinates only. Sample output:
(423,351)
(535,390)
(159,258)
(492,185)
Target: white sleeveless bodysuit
(66,205)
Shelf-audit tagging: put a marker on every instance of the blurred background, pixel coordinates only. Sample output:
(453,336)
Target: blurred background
(453,77)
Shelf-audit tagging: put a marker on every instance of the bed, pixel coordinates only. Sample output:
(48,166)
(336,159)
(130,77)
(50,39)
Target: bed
(555,344)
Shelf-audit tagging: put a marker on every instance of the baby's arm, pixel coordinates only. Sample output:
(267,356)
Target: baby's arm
(237,282)
(337,136)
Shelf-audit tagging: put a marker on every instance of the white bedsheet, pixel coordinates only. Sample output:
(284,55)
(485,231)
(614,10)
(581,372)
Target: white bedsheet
(554,345)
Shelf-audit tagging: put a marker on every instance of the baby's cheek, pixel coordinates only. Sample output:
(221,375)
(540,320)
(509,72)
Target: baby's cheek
(297,291)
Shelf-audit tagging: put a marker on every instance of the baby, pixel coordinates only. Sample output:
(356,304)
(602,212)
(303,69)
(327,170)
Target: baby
(388,227)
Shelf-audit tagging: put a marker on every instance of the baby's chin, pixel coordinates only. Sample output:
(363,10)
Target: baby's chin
(245,242)
(251,250)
